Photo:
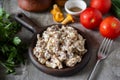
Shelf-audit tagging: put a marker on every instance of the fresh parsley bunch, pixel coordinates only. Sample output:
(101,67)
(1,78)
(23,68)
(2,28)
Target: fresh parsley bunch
(11,47)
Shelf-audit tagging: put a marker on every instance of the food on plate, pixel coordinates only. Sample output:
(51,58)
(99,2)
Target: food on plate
(57,14)
(59,47)
(91,18)
(102,5)
(34,5)
(68,19)
(110,27)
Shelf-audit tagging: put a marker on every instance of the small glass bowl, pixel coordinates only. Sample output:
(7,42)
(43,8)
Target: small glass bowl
(75,7)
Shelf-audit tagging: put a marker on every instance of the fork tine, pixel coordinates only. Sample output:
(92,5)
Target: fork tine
(101,46)
(105,47)
(109,46)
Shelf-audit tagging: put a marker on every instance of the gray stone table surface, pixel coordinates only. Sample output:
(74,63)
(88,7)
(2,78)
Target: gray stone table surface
(108,69)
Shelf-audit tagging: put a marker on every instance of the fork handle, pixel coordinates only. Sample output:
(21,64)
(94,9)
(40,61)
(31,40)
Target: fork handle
(92,72)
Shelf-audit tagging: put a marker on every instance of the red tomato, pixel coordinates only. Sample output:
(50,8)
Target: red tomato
(102,5)
(110,27)
(91,18)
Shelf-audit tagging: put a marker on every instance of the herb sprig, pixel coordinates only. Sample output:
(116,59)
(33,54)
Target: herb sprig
(11,47)
(116,8)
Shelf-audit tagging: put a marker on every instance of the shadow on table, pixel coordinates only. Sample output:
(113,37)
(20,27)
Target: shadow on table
(2,73)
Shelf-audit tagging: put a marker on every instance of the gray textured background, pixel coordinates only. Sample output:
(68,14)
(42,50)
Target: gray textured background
(108,69)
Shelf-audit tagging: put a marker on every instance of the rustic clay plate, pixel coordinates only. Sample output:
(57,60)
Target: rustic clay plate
(60,72)
(38,30)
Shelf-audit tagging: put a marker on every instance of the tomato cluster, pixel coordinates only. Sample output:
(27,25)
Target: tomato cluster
(91,18)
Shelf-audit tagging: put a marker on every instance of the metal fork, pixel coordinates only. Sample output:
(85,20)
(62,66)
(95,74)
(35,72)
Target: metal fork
(103,52)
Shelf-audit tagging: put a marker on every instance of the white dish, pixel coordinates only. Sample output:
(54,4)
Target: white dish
(76,3)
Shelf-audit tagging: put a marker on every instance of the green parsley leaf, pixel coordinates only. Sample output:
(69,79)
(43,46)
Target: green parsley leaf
(16,41)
